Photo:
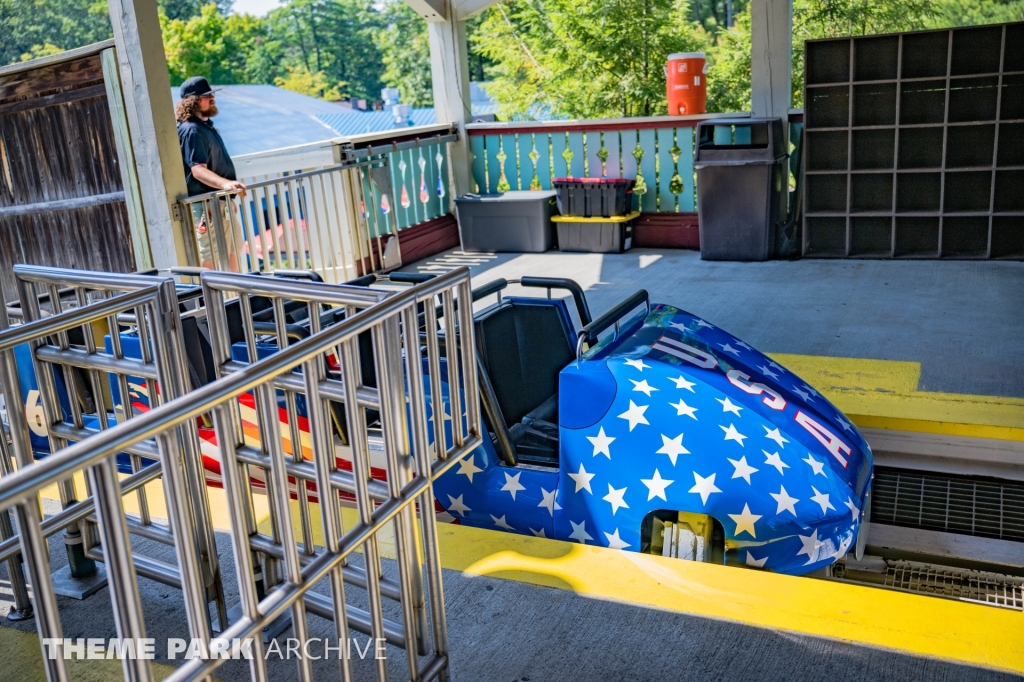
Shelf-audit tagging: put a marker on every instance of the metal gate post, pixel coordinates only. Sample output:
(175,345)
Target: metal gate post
(22,605)
(124,590)
(83,575)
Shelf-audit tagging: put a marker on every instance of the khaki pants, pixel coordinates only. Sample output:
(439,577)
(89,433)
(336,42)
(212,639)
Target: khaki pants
(210,243)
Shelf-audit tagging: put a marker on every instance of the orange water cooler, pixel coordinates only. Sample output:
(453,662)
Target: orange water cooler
(686,83)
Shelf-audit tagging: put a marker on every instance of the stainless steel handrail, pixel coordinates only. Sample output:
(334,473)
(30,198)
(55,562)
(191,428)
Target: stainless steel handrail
(297,176)
(405,368)
(87,521)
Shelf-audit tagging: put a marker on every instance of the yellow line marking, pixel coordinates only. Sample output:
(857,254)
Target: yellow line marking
(883,394)
(595,219)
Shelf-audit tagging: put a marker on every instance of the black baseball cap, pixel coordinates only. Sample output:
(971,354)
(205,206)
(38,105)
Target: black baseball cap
(196,85)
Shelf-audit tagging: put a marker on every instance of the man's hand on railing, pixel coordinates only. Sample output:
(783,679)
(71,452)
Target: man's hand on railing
(206,176)
(235,186)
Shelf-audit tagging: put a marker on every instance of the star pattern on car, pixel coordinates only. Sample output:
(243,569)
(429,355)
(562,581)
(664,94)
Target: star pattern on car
(675,440)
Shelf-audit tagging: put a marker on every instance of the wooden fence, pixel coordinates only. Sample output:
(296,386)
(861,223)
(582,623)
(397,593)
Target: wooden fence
(62,200)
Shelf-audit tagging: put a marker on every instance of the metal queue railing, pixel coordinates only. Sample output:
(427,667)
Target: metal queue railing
(324,368)
(315,220)
(96,384)
(95,524)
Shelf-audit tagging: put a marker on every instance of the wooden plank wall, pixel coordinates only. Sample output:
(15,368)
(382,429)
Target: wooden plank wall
(61,198)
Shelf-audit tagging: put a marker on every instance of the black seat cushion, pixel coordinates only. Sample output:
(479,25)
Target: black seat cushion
(523,347)
(536,436)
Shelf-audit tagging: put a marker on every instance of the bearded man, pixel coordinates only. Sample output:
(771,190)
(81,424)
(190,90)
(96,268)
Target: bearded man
(208,166)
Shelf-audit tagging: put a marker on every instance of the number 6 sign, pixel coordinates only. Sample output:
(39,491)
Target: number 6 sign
(34,414)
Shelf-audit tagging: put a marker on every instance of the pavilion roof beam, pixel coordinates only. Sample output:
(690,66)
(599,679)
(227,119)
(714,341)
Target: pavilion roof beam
(436,11)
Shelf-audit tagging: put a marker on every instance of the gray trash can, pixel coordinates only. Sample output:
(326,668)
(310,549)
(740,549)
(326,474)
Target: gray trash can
(741,178)
(509,221)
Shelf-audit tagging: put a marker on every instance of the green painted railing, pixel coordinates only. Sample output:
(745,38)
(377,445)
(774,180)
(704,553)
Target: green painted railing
(657,152)
(419,178)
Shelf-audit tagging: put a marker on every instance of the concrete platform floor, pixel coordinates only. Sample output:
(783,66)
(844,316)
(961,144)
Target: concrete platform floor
(957,323)
(506,631)
(961,320)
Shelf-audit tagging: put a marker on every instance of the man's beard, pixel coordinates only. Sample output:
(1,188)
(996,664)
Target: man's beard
(211,111)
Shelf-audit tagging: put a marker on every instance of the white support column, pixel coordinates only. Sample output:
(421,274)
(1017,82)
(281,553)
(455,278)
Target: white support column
(449,71)
(771,50)
(449,67)
(126,158)
(154,137)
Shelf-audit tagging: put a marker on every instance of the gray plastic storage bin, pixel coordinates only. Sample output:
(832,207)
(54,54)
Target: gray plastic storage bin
(741,177)
(510,221)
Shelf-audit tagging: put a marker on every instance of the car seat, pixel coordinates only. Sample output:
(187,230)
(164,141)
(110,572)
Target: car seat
(523,344)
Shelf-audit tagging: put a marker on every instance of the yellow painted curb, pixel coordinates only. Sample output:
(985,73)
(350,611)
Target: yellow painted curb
(915,624)
(941,628)
(883,394)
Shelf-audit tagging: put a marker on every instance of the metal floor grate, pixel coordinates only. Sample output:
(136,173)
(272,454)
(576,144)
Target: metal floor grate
(984,588)
(967,505)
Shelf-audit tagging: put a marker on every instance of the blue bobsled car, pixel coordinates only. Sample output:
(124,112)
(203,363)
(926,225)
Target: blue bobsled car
(667,436)
(648,430)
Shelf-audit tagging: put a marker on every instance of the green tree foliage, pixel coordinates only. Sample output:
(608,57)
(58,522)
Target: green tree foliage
(581,59)
(335,37)
(223,49)
(185,9)
(713,14)
(584,58)
(830,18)
(729,71)
(729,68)
(300,80)
(569,58)
(36,28)
(44,50)
(28,26)
(971,13)
(405,51)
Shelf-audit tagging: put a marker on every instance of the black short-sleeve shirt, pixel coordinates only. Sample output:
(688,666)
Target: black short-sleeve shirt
(201,143)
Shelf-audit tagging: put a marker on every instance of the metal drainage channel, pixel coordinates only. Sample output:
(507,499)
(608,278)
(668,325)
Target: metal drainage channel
(959,505)
(966,505)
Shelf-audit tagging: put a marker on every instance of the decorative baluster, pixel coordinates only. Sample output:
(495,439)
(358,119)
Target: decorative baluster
(404,199)
(534,157)
(422,163)
(640,186)
(567,155)
(602,154)
(440,177)
(503,185)
(675,185)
